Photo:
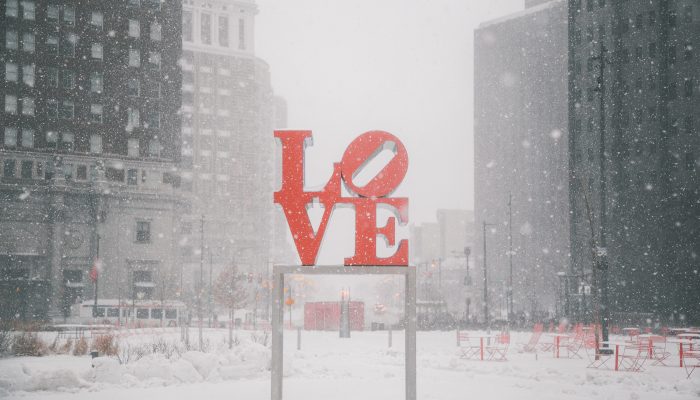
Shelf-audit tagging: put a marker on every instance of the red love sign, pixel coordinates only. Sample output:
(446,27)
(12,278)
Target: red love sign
(360,152)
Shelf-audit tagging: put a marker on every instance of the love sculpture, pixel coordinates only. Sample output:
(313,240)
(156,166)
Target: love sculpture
(360,152)
(366,199)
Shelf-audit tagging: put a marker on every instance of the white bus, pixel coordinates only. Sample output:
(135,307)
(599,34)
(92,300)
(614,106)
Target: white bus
(139,313)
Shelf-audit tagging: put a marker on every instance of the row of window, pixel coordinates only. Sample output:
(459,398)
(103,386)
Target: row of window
(27,169)
(68,45)
(641,149)
(66,79)
(55,11)
(141,313)
(669,92)
(12,134)
(66,110)
(206,28)
(621,26)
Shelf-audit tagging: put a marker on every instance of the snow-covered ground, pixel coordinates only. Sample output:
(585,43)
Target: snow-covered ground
(328,367)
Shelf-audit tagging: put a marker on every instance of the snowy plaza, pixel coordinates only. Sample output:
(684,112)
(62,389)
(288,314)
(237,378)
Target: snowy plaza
(328,367)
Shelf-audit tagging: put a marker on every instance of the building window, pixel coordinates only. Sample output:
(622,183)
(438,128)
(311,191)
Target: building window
(132,177)
(27,167)
(67,140)
(11,8)
(652,18)
(52,108)
(672,51)
(205,31)
(187,26)
(28,42)
(52,45)
(95,144)
(10,104)
(96,113)
(10,137)
(688,124)
(96,51)
(28,106)
(134,58)
(652,50)
(143,230)
(153,121)
(11,40)
(154,59)
(28,10)
(68,48)
(133,147)
(154,148)
(9,168)
(134,28)
(156,31)
(51,137)
(671,91)
(27,138)
(688,87)
(133,87)
(96,84)
(134,3)
(28,75)
(690,162)
(66,110)
(11,72)
(52,77)
(67,79)
(97,19)
(241,34)
(69,15)
(133,118)
(223,31)
(52,12)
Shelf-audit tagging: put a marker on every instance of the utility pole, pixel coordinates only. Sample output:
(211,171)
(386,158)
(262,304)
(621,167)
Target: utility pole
(510,258)
(211,311)
(97,274)
(201,280)
(601,251)
(486,284)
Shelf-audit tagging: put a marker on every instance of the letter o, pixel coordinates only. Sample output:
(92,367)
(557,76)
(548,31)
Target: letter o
(362,150)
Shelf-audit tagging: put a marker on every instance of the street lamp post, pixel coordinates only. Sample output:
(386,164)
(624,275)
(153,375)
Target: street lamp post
(467,282)
(486,284)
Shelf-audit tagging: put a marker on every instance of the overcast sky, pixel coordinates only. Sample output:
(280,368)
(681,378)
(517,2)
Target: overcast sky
(404,66)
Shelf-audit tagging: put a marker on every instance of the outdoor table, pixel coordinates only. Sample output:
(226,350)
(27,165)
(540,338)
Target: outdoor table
(617,351)
(481,343)
(681,342)
(557,342)
(631,332)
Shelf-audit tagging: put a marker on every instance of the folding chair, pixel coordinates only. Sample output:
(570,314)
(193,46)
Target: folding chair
(599,360)
(531,345)
(657,350)
(499,350)
(691,360)
(633,356)
(467,349)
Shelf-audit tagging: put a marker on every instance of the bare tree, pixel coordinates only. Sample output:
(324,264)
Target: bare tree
(230,293)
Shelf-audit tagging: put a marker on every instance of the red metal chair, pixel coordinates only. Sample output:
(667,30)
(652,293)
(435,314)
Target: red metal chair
(657,350)
(633,356)
(691,361)
(467,350)
(531,345)
(498,350)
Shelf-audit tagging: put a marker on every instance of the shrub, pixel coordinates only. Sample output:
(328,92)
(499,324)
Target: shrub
(5,337)
(81,347)
(28,344)
(66,348)
(105,345)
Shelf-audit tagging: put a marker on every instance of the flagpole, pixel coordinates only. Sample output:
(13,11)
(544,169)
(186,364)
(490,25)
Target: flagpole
(97,276)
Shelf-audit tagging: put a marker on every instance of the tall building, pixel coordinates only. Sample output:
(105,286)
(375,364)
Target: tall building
(635,153)
(227,125)
(521,157)
(89,140)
